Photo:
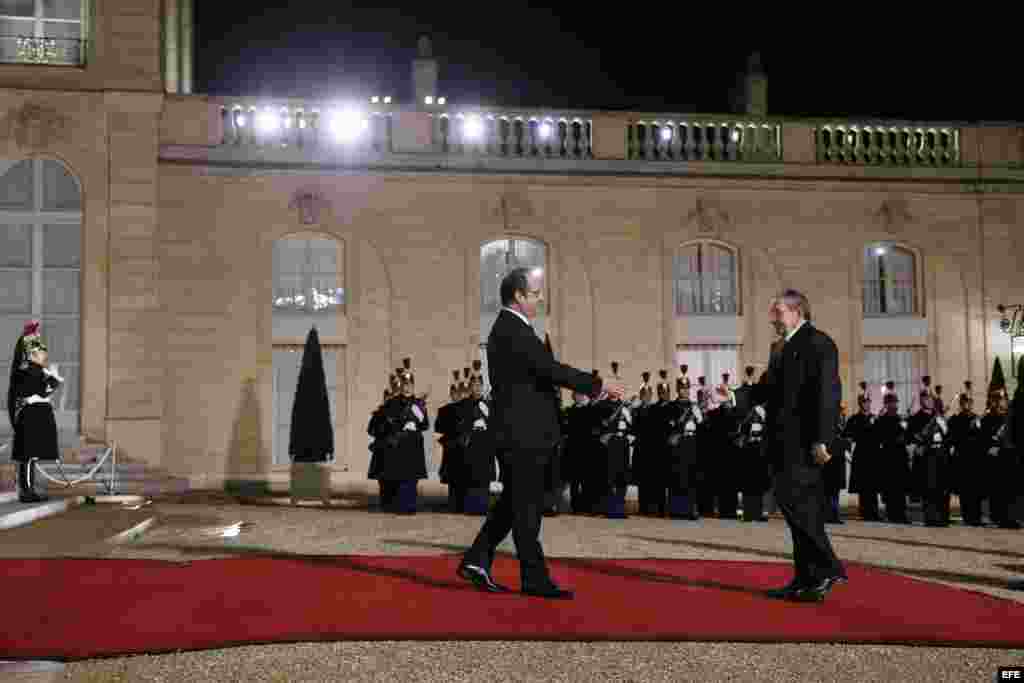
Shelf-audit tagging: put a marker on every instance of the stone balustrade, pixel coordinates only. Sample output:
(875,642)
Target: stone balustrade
(301,124)
(887,144)
(680,138)
(381,127)
(513,134)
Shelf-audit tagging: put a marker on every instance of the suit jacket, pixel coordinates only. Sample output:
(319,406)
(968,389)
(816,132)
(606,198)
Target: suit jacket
(524,379)
(801,391)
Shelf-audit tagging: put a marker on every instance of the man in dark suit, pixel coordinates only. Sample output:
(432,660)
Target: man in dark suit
(802,392)
(525,426)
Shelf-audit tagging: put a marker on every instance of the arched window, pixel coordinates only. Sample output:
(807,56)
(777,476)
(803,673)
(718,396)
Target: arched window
(705,280)
(40,275)
(889,280)
(308,291)
(497,258)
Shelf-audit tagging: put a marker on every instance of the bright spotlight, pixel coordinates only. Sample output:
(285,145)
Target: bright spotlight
(545,130)
(374,99)
(880,251)
(441,100)
(387,100)
(735,136)
(266,122)
(666,134)
(239,118)
(429,99)
(474,128)
(346,126)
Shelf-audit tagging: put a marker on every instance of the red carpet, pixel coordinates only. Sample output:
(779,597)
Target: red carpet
(73,609)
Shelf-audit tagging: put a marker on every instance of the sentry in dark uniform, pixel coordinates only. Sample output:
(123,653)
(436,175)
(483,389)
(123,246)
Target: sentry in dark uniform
(398,459)
(479,461)
(684,423)
(933,465)
(614,425)
(865,475)
(834,471)
(890,431)
(30,411)
(970,458)
(452,455)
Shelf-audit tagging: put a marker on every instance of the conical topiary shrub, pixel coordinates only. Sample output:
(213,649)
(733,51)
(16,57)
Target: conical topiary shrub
(312,432)
(998,382)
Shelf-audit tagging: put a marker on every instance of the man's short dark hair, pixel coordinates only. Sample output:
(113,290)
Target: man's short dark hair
(515,281)
(796,299)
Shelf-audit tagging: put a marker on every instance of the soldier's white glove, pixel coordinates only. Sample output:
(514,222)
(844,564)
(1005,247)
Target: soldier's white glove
(53,373)
(479,424)
(994,451)
(760,411)
(636,403)
(697,414)
(410,427)
(756,428)
(36,398)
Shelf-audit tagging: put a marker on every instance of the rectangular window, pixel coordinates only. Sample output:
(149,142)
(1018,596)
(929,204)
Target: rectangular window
(43,31)
(903,365)
(704,281)
(889,280)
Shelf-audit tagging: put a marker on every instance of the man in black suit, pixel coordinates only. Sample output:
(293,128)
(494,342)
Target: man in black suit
(525,425)
(802,392)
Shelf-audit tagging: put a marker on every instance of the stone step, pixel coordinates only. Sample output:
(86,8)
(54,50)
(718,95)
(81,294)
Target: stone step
(14,514)
(146,486)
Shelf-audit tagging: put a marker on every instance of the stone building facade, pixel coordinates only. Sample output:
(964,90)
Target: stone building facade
(179,246)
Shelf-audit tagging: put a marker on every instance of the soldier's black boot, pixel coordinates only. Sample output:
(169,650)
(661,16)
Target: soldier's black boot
(26,493)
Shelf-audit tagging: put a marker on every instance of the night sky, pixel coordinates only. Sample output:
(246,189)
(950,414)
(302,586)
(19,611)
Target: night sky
(640,57)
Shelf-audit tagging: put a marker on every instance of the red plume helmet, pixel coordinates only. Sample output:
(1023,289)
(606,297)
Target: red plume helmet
(31,328)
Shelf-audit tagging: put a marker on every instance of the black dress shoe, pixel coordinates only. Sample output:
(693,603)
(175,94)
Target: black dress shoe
(31,497)
(818,591)
(787,591)
(479,577)
(550,592)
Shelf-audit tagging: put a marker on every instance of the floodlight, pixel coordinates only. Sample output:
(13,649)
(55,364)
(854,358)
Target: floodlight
(474,128)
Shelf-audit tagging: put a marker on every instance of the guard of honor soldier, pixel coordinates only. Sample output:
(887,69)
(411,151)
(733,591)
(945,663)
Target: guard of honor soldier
(398,459)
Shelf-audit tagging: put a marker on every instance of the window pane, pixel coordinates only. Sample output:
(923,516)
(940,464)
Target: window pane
(60,190)
(899,266)
(62,9)
(67,396)
(872,280)
(62,245)
(15,246)
(497,258)
(17,288)
(719,266)
(903,365)
(60,291)
(63,31)
(5,378)
(308,283)
(16,183)
(18,8)
(62,335)
(10,329)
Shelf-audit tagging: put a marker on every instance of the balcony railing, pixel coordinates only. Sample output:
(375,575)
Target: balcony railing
(305,125)
(698,139)
(888,145)
(34,50)
(514,134)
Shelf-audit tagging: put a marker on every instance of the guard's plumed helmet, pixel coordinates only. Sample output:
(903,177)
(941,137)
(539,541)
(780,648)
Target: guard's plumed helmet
(477,365)
(405,371)
(749,370)
(662,387)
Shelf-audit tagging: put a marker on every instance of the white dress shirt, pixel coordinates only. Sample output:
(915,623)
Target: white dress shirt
(789,335)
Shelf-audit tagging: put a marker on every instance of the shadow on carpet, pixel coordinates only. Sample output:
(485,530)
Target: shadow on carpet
(70,609)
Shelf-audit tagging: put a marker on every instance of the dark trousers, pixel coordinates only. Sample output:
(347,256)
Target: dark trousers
(936,508)
(970,507)
(753,506)
(456,497)
(728,502)
(652,499)
(800,494)
(832,506)
(895,506)
(682,502)
(867,503)
(705,499)
(519,510)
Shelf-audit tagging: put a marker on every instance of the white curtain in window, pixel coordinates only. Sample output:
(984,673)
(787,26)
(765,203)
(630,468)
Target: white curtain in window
(903,365)
(499,257)
(899,291)
(719,279)
(287,363)
(686,279)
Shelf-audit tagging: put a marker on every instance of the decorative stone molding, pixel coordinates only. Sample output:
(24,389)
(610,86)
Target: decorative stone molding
(35,126)
(509,209)
(709,217)
(894,215)
(311,205)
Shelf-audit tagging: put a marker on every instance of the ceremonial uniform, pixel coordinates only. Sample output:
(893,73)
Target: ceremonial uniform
(614,420)
(479,448)
(934,470)
(650,453)
(890,432)
(398,458)
(970,458)
(29,408)
(834,471)
(684,422)
(865,470)
(452,456)
(578,452)
(1005,475)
